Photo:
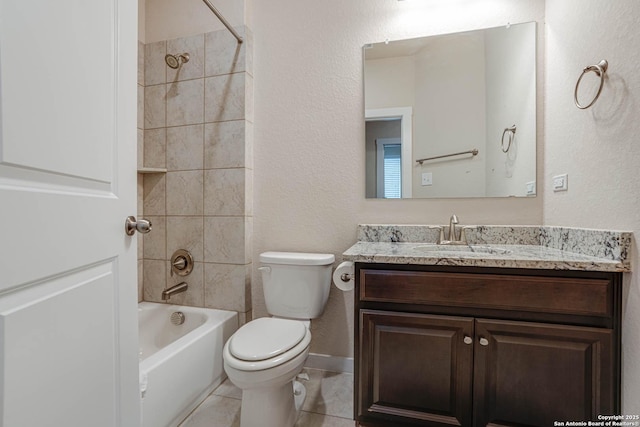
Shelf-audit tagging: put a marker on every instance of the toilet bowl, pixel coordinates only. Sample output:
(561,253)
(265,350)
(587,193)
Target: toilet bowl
(264,356)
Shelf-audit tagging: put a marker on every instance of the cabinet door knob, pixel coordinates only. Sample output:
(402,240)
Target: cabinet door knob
(484,341)
(468,339)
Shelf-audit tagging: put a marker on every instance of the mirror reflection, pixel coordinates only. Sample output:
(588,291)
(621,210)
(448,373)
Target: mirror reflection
(452,115)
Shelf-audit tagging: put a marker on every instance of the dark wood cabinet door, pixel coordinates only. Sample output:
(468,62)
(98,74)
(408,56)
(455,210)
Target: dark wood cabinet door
(414,369)
(532,374)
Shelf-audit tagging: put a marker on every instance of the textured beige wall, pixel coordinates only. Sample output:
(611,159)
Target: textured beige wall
(309,164)
(597,147)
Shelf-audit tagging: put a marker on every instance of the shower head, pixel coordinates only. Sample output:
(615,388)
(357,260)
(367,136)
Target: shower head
(174,61)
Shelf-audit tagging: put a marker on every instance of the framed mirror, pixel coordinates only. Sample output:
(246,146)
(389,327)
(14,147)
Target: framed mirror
(452,115)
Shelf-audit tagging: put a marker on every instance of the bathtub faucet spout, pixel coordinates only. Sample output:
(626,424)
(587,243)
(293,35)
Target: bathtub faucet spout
(180,287)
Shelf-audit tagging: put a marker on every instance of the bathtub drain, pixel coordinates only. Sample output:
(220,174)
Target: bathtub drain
(177,318)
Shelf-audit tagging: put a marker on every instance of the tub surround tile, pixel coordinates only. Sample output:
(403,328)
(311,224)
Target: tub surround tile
(154,194)
(224,54)
(185,102)
(225,97)
(224,192)
(154,106)
(155,148)
(532,247)
(155,241)
(248,97)
(224,145)
(140,148)
(185,232)
(141,69)
(185,148)
(185,193)
(141,101)
(194,46)
(155,67)
(227,287)
(202,155)
(155,279)
(224,240)
(194,295)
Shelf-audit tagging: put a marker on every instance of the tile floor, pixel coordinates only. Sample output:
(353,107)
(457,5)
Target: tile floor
(329,403)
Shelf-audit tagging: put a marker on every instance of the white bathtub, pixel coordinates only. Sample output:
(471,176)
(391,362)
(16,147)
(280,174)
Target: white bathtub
(179,365)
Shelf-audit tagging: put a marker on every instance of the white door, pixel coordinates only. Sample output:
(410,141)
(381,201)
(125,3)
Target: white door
(68,319)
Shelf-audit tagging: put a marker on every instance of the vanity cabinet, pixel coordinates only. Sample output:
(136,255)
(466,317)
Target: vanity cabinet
(468,346)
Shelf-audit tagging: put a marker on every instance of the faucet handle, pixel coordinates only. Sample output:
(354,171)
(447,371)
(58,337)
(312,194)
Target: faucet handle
(454,219)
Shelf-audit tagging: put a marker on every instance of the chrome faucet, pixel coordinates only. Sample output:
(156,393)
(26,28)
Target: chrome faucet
(176,289)
(455,238)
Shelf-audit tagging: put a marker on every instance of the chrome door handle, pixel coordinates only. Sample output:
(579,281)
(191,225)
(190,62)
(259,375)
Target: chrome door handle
(131,225)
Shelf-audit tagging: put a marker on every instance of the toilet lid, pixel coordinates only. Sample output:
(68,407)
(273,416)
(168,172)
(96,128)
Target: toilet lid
(265,338)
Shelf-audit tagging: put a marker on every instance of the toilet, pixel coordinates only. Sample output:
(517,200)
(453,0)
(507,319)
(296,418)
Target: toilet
(264,356)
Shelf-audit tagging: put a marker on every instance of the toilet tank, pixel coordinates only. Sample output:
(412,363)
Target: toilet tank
(296,285)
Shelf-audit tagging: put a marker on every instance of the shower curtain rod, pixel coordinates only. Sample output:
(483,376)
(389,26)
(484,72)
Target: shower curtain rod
(224,21)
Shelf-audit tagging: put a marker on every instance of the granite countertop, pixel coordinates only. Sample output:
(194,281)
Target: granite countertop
(532,247)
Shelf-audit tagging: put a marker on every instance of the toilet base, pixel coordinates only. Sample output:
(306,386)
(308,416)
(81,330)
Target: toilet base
(272,407)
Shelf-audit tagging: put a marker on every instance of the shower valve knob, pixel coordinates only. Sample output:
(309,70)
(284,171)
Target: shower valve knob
(131,225)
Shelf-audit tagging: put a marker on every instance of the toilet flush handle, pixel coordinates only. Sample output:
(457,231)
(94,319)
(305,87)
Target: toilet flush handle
(265,269)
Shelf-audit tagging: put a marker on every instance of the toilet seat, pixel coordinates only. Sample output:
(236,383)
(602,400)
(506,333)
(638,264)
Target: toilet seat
(265,338)
(265,343)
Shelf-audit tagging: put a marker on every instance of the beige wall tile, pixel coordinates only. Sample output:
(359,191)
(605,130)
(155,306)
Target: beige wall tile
(248,145)
(224,240)
(194,296)
(141,101)
(140,63)
(227,287)
(155,241)
(185,232)
(154,106)
(155,68)
(193,69)
(248,98)
(224,144)
(155,279)
(224,54)
(248,192)
(224,191)
(224,97)
(245,317)
(140,151)
(185,103)
(155,148)
(154,194)
(185,193)
(185,147)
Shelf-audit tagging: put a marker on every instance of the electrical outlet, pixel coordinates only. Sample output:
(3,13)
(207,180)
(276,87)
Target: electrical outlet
(561,182)
(427,178)
(531,188)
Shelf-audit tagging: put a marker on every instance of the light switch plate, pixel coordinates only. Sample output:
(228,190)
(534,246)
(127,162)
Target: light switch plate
(531,188)
(561,182)
(427,178)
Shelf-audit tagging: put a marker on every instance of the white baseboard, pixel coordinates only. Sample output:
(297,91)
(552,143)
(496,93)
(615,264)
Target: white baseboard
(329,363)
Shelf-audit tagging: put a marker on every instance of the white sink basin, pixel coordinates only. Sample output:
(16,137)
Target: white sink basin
(463,249)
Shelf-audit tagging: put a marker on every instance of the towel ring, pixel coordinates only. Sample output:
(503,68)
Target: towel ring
(600,69)
(512,133)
